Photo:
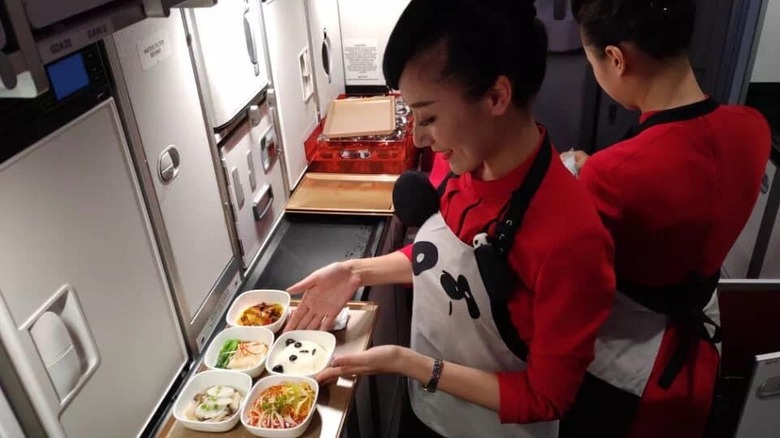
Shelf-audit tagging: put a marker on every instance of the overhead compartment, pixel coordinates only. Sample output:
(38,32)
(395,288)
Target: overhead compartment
(36,32)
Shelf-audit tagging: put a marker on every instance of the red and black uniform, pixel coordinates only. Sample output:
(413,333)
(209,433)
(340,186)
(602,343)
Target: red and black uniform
(675,197)
(562,257)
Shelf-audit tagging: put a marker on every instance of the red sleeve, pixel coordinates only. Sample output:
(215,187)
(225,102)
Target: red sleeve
(598,180)
(407,251)
(572,297)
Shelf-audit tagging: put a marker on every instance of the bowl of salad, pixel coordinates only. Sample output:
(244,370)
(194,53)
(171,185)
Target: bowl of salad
(264,308)
(280,406)
(243,349)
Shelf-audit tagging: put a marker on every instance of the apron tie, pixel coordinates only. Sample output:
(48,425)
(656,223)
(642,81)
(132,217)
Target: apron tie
(684,304)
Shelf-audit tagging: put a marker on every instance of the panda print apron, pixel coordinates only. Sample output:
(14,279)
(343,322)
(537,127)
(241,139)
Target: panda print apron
(459,315)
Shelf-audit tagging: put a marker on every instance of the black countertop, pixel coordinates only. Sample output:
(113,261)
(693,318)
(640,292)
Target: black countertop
(303,243)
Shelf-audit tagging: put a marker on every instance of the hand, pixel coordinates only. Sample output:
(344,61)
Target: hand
(326,291)
(385,359)
(579,159)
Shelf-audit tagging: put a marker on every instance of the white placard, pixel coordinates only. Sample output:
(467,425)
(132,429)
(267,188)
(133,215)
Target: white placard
(361,62)
(154,50)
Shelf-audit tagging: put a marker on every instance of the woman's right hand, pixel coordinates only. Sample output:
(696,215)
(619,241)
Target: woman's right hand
(325,292)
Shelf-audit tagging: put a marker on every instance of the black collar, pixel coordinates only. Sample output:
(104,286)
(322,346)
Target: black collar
(679,114)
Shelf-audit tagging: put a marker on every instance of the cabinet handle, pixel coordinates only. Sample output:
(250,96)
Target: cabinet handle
(168,165)
(326,54)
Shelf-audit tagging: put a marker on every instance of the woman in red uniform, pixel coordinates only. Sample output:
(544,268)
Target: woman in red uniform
(489,358)
(674,196)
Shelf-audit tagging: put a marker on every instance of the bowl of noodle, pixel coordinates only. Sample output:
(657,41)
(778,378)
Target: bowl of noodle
(280,406)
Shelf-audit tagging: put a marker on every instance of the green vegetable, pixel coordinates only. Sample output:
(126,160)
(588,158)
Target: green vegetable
(226,353)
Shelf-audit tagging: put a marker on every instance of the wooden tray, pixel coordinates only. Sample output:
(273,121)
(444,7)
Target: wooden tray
(360,117)
(340,193)
(335,399)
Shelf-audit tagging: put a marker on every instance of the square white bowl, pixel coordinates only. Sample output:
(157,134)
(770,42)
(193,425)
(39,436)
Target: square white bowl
(262,385)
(242,333)
(324,339)
(203,381)
(254,297)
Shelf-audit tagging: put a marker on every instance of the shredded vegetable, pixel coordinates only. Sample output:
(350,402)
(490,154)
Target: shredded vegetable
(282,406)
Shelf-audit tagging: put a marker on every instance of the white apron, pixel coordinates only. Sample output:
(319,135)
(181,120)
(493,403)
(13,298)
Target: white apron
(629,341)
(452,320)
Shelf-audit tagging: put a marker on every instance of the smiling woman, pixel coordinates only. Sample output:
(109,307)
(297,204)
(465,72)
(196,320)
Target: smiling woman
(500,339)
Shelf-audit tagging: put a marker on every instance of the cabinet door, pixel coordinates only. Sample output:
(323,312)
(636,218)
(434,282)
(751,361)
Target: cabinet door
(85,312)
(325,35)
(174,137)
(738,260)
(256,194)
(293,80)
(231,48)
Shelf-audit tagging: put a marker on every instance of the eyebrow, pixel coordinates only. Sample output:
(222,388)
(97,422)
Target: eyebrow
(422,104)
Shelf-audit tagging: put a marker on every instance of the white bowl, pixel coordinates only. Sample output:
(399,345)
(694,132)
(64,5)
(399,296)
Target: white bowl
(324,339)
(201,382)
(242,333)
(262,385)
(253,297)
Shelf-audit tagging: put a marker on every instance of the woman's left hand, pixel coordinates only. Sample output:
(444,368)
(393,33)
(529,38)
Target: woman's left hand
(385,359)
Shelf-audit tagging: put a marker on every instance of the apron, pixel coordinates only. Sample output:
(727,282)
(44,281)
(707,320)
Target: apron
(629,342)
(460,314)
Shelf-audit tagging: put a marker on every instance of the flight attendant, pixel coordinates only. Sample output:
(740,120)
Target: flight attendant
(675,196)
(509,292)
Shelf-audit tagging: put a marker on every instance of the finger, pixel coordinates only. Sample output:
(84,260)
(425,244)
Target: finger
(333,373)
(349,360)
(303,285)
(315,322)
(327,323)
(305,319)
(295,319)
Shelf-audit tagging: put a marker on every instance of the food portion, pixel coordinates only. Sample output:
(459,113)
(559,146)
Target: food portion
(282,406)
(300,357)
(240,355)
(215,404)
(261,314)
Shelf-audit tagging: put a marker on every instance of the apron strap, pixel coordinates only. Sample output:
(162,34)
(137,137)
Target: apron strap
(504,234)
(684,304)
(687,112)
(492,259)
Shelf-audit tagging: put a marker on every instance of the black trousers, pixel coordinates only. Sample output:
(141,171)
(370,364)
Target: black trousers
(600,410)
(411,426)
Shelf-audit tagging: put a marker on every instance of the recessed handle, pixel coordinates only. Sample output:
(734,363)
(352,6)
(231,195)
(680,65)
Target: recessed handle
(238,188)
(8,78)
(65,344)
(263,202)
(168,165)
(325,52)
(250,40)
(770,389)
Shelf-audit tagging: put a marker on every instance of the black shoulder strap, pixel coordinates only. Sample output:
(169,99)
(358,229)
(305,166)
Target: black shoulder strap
(505,231)
(500,281)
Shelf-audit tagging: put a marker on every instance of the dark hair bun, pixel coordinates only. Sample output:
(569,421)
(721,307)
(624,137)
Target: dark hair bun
(484,39)
(660,28)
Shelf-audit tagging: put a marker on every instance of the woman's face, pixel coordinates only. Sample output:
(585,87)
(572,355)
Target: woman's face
(445,120)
